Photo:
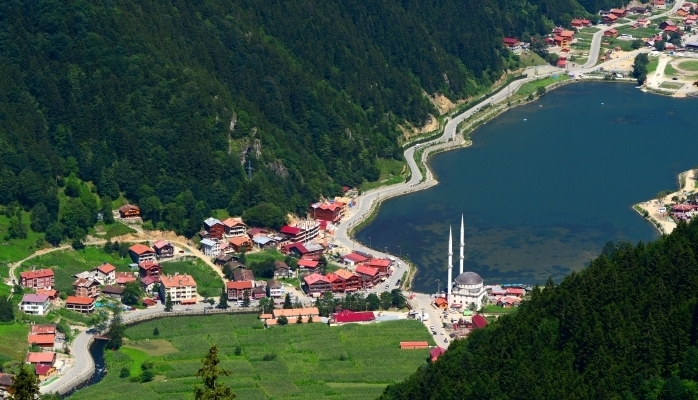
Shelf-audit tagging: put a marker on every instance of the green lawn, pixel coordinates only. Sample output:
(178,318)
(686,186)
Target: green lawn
(13,345)
(638,33)
(311,361)
(652,65)
(531,87)
(208,282)
(688,65)
(66,263)
(530,58)
(271,254)
(492,309)
(670,70)
(16,249)
(391,172)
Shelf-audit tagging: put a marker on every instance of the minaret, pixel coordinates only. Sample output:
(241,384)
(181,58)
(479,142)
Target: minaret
(462,242)
(450,262)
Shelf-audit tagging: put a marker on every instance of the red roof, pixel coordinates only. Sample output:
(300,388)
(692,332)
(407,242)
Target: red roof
(351,316)
(561,63)
(43,329)
(41,339)
(510,41)
(160,244)
(106,268)
(327,206)
(42,369)
(515,291)
(436,352)
(148,280)
(379,262)
(672,28)
(140,249)
(122,280)
(314,278)
(307,263)
(479,321)
(440,301)
(77,300)
(146,265)
(149,302)
(567,34)
(239,285)
(366,270)
(35,358)
(296,245)
(290,230)
(354,257)
(41,273)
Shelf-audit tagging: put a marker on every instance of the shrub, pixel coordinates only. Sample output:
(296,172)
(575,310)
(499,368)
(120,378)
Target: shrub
(238,350)
(125,373)
(269,357)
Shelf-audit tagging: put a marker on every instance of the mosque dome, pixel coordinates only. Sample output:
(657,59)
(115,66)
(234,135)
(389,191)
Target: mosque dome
(469,278)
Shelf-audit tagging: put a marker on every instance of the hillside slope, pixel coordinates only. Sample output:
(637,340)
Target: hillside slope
(626,327)
(153,98)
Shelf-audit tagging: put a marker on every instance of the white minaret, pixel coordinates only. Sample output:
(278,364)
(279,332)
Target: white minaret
(450,262)
(462,242)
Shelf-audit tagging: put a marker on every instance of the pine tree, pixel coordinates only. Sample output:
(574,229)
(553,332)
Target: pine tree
(116,331)
(287,302)
(223,300)
(299,320)
(168,303)
(156,331)
(7,312)
(25,385)
(246,299)
(210,372)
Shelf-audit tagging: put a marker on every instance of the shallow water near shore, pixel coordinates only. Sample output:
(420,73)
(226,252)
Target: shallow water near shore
(544,186)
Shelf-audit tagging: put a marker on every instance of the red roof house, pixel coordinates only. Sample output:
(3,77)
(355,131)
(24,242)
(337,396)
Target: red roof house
(510,42)
(479,321)
(611,33)
(140,252)
(43,341)
(236,290)
(43,329)
(346,317)
(41,358)
(307,264)
(367,274)
(435,353)
(381,264)
(41,278)
(317,284)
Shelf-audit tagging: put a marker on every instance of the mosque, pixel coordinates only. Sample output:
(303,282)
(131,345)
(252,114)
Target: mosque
(469,287)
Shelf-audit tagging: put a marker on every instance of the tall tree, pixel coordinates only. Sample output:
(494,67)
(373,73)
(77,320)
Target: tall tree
(209,373)
(25,385)
(223,300)
(287,302)
(168,302)
(117,329)
(7,311)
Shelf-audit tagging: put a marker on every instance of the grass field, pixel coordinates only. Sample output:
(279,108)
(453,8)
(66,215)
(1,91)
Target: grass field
(670,70)
(271,254)
(13,345)
(530,58)
(652,65)
(392,171)
(688,65)
(492,309)
(671,85)
(311,361)
(208,282)
(16,249)
(531,87)
(66,263)
(638,33)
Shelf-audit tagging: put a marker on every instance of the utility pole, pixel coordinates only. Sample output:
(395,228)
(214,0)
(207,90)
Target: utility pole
(438,286)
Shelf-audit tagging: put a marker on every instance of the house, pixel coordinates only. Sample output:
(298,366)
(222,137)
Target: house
(276,289)
(316,284)
(140,252)
(611,33)
(642,22)
(233,227)
(609,19)
(435,353)
(236,290)
(46,342)
(149,268)
(210,247)
(619,12)
(353,259)
(295,312)
(310,251)
(638,10)
(214,228)
(325,211)
(264,242)
(105,274)
(561,62)
(666,24)
(41,358)
(576,23)
(307,265)
(479,321)
(673,28)
(80,304)
(511,43)
(515,292)
(304,231)
(122,278)
(113,291)
(343,280)
(86,287)
(6,381)
(659,4)
(441,303)
(282,270)
(51,293)
(254,232)
(223,259)
(42,278)
(349,317)
(149,302)
(567,36)
(180,287)
(239,244)
(43,329)
(413,345)
(243,274)
(35,304)
(368,274)
(148,283)
(163,249)
(259,292)
(681,13)
(129,211)
(381,264)
(44,371)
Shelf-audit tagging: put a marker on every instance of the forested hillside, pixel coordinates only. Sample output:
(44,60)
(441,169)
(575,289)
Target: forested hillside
(168,102)
(624,328)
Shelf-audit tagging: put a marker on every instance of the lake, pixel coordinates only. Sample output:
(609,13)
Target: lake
(544,186)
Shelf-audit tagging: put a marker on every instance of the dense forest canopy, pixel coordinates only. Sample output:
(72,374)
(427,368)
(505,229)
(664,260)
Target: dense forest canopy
(174,103)
(624,328)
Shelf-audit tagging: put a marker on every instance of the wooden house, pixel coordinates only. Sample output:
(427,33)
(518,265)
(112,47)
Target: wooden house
(214,228)
(163,249)
(129,211)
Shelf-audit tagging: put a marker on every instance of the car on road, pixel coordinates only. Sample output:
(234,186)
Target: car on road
(188,309)
(387,286)
(674,79)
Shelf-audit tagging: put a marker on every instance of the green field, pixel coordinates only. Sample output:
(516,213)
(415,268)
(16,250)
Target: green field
(261,256)
(652,65)
(670,70)
(208,282)
(13,342)
(66,263)
(671,85)
(530,58)
(531,87)
(312,361)
(492,309)
(688,65)
(391,172)
(638,33)
(16,249)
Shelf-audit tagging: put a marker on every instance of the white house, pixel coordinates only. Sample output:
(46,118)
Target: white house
(210,247)
(36,304)
(276,289)
(181,288)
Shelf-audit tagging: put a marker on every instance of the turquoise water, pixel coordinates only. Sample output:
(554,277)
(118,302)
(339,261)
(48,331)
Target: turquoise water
(541,197)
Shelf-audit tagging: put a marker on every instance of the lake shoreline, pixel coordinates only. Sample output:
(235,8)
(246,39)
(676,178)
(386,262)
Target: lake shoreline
(649,209)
